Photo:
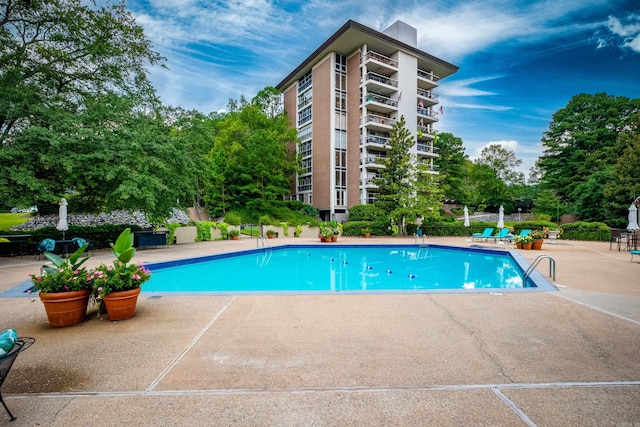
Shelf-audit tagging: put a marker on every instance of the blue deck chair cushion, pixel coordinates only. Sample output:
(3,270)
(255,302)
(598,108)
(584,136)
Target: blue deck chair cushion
(485,234)
(79,241)
(48,245)
(8,339)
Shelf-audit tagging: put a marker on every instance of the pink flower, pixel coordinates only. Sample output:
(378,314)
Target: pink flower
(100,289)
(39,279)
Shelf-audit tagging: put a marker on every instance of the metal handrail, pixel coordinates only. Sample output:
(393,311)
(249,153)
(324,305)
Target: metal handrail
(552,266)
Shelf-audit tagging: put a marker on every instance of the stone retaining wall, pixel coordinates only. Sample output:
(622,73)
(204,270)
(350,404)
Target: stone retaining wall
(120,217)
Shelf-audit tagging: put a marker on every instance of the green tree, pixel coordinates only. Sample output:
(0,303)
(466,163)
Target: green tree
(625,187)
(56,53)
(396,181)
(503,161)
(452,166)
(580,151)
(251,160)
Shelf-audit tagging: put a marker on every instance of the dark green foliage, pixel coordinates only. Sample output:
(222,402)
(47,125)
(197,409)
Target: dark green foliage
(583,157)
(583,230)
(367,213)
(451,166)
(378,228)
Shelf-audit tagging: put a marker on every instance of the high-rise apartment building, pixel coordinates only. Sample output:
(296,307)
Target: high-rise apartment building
(344,99)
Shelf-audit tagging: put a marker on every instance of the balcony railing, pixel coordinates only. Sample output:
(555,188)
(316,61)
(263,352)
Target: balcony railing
(372,139)
(427,112)
(428,75)
(371,160)
(427,94)
(375,56)
(374,97)
(382,79)
(372,118)
(425,131)
(425,148)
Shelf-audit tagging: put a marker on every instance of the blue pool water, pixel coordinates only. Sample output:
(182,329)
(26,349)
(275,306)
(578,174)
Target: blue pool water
(342,268)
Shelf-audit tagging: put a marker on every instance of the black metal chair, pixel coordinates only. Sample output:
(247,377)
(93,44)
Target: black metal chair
(6,363)
(616,237)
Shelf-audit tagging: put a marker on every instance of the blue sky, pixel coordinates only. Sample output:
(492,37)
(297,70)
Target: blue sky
(520,61)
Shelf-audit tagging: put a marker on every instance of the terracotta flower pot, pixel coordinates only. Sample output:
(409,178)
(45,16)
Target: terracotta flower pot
(518,245)
(527,246)
(334,238)
(65,308)
(121,305)
(234,237)
(327,239)
(537,244)
(367,235)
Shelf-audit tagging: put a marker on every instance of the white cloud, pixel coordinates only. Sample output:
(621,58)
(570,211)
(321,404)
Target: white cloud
(625,32)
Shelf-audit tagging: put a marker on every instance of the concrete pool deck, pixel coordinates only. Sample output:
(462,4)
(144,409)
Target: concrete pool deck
(570,357)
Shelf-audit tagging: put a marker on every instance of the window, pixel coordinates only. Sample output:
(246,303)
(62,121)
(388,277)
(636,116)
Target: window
(304,116)
(304,82)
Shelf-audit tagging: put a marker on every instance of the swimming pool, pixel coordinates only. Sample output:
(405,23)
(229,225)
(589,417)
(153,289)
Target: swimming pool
(347,268)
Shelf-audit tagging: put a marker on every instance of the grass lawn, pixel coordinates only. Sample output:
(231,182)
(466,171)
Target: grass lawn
(8,220)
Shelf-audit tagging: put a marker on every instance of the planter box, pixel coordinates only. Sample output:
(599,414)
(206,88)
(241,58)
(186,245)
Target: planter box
(186,234)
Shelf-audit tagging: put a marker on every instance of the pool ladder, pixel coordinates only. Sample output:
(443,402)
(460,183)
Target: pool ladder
(266,256)
(552,266)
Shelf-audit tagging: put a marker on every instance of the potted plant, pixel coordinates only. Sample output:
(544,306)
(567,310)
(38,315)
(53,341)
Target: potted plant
(326,233)
(366,232)
(234,234)
(64,288)
(525,242)
(118,285)
(538,238)
(270,234)
(336,229)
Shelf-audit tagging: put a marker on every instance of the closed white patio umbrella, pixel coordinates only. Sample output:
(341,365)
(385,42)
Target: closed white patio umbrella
(501,217)
(633,218)
(63,225)
(466,216)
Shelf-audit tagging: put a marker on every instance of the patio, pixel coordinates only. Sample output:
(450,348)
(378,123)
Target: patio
(570,357)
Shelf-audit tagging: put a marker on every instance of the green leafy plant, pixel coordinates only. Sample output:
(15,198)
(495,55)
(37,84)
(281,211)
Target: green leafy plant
(298,231)
(122,275)
(285,229)
(270,233)
(524,239)
(65,275)
(234,232)
(538,234)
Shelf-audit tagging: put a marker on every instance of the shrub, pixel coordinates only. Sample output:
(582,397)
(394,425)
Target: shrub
(285,229)
(233,218)
(366,213)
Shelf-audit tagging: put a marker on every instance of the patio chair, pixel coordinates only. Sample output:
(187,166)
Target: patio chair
(634,252)
(6,363)
(502,235)
(524,232)
(616,237)
(484,235)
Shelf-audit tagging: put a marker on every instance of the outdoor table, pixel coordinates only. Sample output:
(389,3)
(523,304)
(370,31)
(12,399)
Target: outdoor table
(62,247)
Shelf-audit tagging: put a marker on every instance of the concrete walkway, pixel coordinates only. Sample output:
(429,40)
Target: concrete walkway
(564,358)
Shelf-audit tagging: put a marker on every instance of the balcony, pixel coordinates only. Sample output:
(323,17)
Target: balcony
(426,149)
(426,114)
(371,161)
(380,84)
(425,133)
(368,182)
(427,97)
(380,103)
(376,141)
(380,63)
(379,123)
(427,80)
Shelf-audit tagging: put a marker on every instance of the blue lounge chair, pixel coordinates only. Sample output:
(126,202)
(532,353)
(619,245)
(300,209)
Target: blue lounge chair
(634,252)
(502,234)
(523,233)
(484,235)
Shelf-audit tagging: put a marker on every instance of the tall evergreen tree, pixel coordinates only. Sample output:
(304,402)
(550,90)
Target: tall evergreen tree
(580,151)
